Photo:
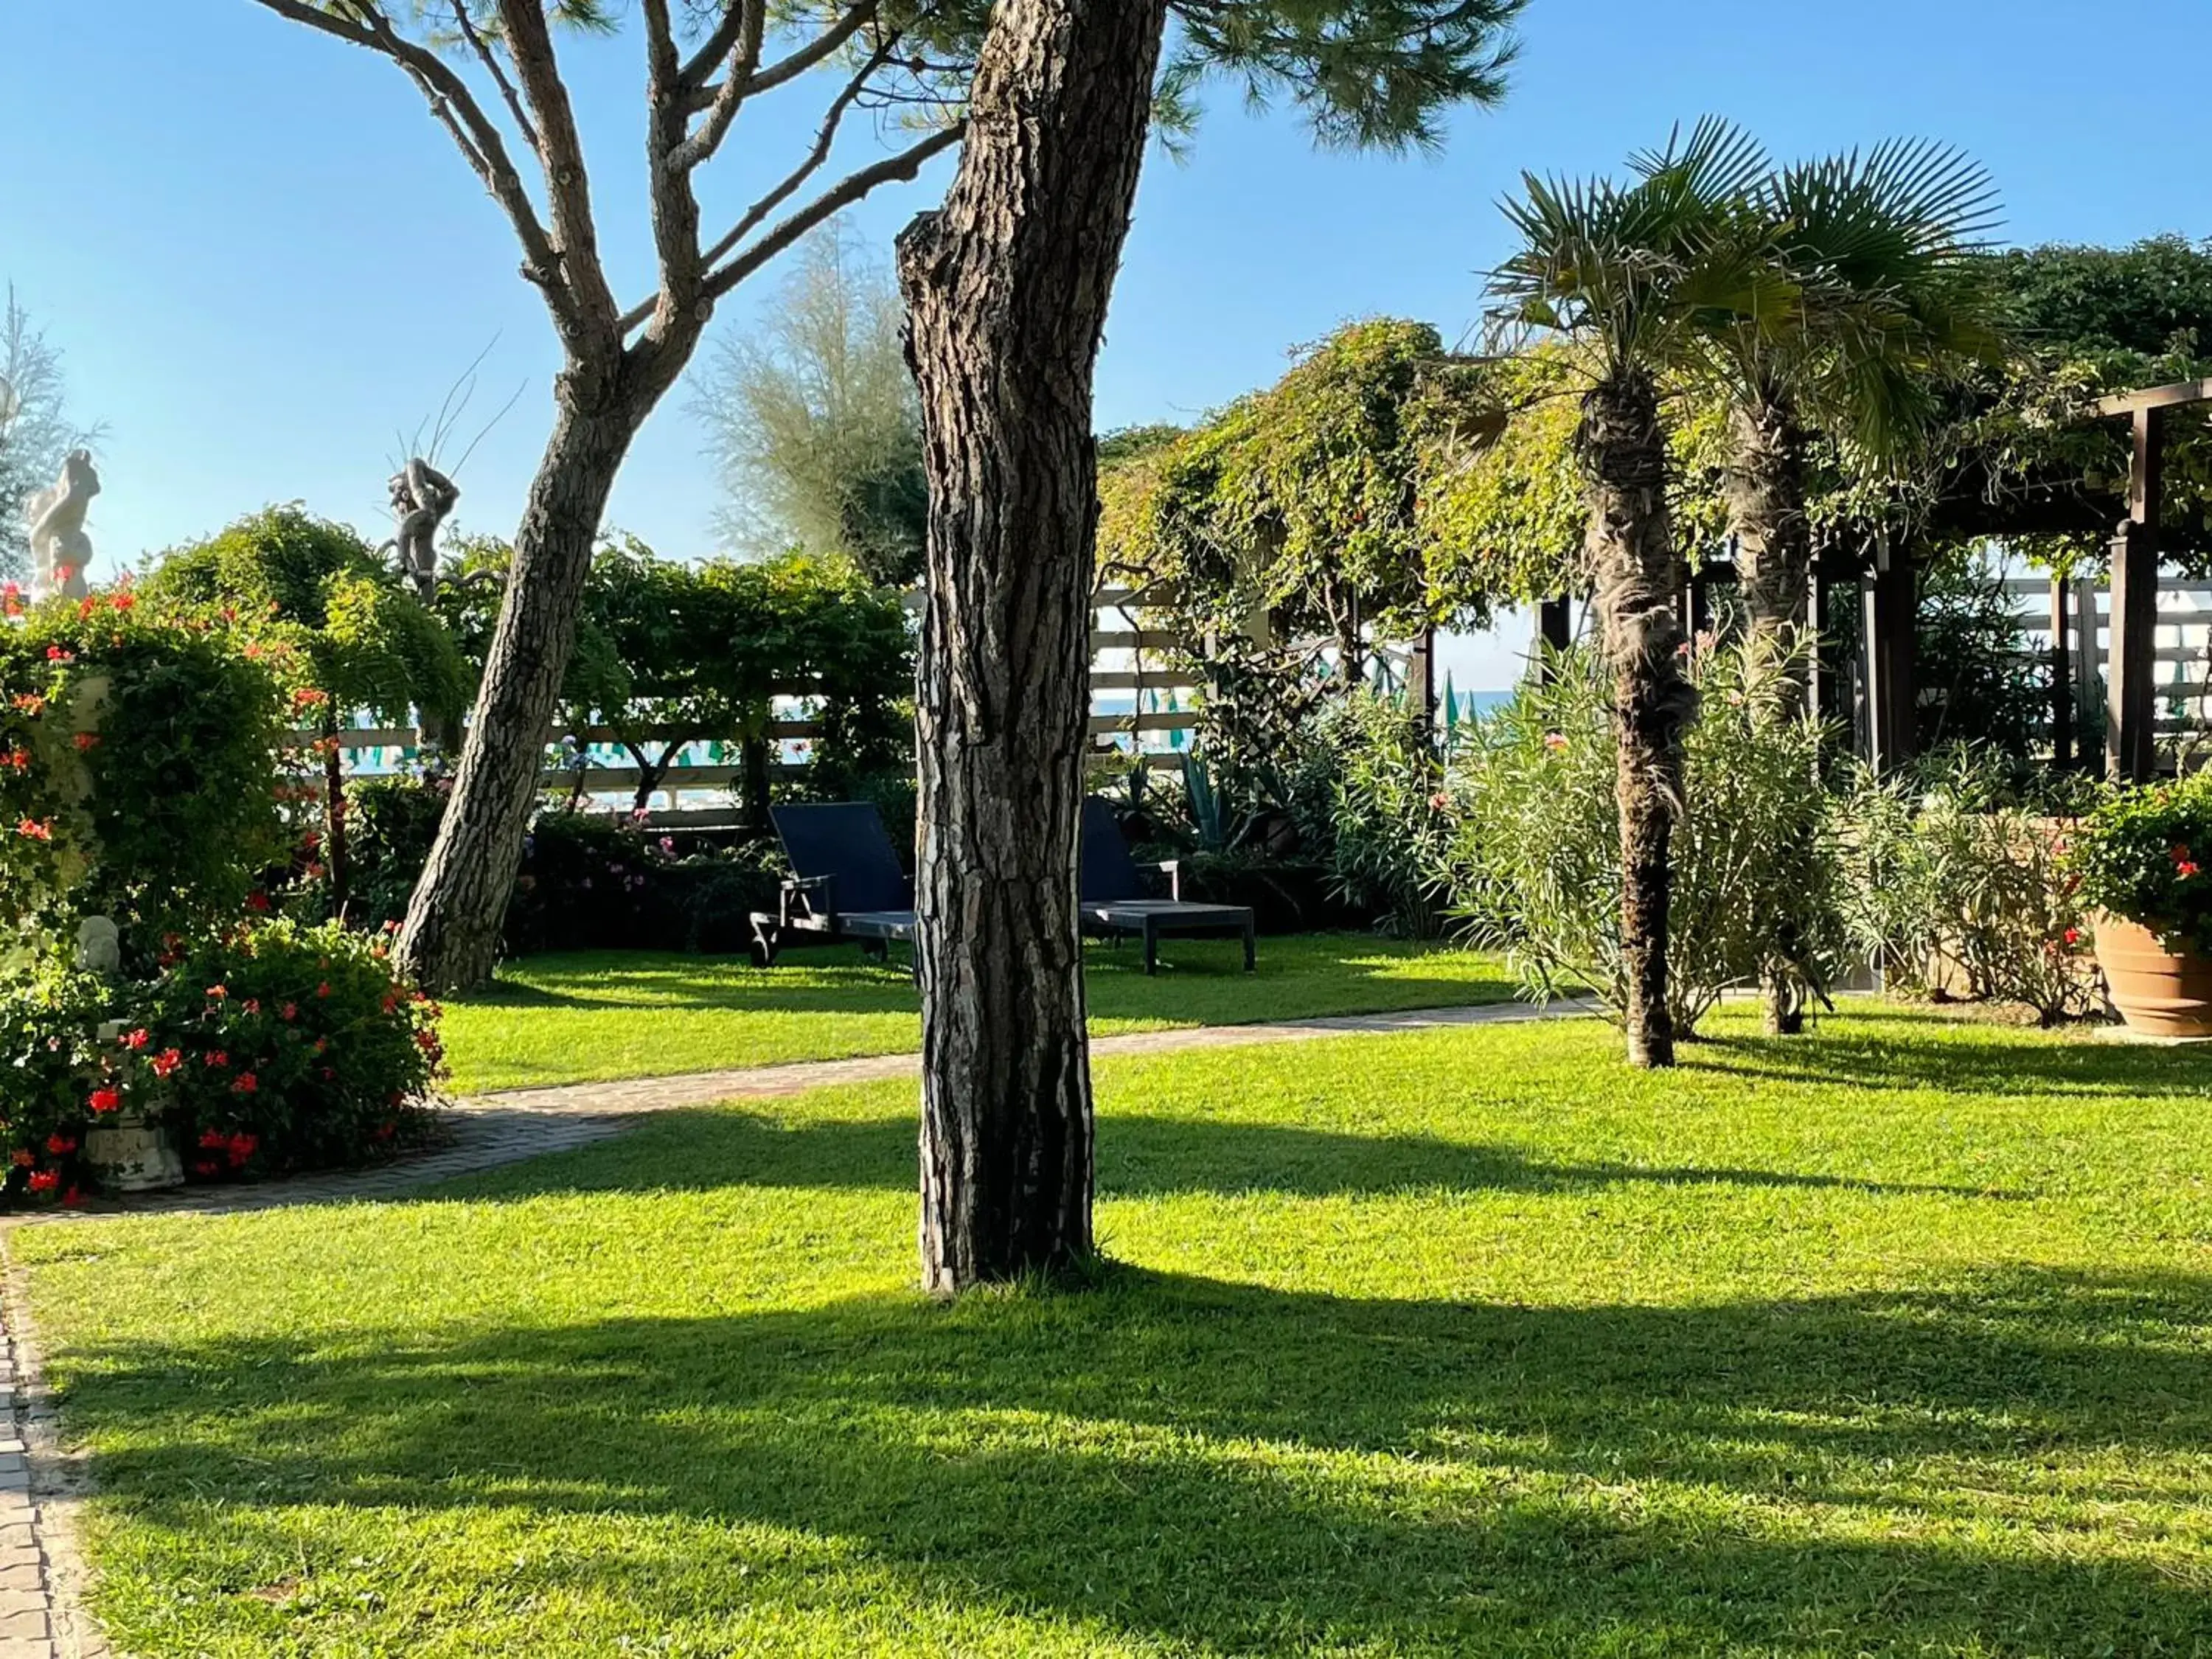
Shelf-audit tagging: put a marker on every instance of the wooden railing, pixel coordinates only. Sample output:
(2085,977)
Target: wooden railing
(1123,654)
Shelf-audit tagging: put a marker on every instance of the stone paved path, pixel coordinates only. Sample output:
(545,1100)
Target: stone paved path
(40,1614)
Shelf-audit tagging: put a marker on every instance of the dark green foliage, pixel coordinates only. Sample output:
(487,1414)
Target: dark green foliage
(1978,686)
(136,777)
(2142,856)
(295,581)
(2152,299)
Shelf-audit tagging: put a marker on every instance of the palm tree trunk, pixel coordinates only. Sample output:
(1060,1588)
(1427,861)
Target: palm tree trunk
(1632,549)
(1766,491)
(1007,288)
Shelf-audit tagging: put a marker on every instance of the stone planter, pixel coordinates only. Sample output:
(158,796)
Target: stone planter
(132,1153)
(2159,992)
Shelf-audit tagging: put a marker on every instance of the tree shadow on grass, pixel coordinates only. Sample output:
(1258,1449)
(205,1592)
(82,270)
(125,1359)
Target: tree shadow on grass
(1233,1468)
(1138,1157)
(2000,1062)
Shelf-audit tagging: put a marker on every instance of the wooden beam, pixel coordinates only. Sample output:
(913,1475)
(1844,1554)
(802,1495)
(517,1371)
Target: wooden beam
(2062,681)
(2156,397)
(2131,754)
(1890,608)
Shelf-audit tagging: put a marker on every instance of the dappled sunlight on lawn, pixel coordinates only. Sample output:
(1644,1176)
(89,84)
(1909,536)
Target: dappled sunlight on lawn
(1459,1342)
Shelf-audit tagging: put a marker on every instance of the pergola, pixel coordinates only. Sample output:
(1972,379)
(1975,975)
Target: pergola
(1881,575)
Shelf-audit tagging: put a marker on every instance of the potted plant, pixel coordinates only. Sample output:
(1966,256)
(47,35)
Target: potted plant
(2144,859)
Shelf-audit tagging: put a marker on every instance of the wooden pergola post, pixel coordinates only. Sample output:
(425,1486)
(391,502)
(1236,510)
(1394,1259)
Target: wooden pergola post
(2130,700)
(1554,632)
(1889,609)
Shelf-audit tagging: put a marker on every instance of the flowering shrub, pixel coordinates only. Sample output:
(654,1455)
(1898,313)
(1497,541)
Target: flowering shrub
(291,1047)
(2142,856)
(52,1064)
(136,771)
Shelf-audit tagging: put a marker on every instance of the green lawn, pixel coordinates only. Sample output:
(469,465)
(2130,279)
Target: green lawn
(1896,1339)
(616,1014)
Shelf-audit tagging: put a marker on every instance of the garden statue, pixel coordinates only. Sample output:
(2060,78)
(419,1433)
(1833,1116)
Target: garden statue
(59,548)
(421,497)
(99,945)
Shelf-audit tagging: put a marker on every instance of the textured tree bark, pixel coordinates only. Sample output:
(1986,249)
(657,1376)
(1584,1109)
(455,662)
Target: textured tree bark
(1765,489)
(1631,551)
(451,939)
(1007,288)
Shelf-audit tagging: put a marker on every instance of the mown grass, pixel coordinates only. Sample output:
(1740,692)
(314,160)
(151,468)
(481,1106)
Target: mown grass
(616,1014)
(1896,1339)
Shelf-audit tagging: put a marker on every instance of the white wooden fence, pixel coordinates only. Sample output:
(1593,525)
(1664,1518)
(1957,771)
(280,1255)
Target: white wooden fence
(1140,706)
(2182,671)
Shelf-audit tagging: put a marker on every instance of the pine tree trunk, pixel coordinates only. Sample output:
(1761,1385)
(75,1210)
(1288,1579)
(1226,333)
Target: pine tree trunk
(1766,491)
(1007,288)
(1631,551)
(452,936)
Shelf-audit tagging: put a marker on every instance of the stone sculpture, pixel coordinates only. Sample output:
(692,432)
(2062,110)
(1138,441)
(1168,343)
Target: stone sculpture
(60,549)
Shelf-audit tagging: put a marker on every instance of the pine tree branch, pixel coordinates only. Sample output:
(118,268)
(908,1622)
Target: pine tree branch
(568,183)
(489,55)
(456,109)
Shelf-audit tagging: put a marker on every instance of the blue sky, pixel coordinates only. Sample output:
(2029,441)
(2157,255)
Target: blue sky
(265,265)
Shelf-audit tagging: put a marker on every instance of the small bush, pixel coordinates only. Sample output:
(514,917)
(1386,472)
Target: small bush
(1381,781)
(1533,860)
(295,1048)
(2143,855)
(1953,887)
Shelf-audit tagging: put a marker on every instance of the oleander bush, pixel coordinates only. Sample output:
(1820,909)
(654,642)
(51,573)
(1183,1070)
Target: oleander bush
(1531,861)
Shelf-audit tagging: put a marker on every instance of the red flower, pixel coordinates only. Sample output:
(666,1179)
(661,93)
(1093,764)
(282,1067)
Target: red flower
(107,1100)
(124,600)
(218,1058)
(167,1061)
(2072,936)
(217,993)
(25,1157)
(44,1181)
(86,742)
(289,1012)
(32,829)
(55,654)
(309,697)
(60,1145)
(213,1140)
(324,989)
(241,1147)
(246,1084)
(253,1004)
(20,759)
(137,1039)
(258,902)
(207,1166)
(31,704)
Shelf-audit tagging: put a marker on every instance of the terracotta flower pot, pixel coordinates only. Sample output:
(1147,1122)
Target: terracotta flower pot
(2159,992)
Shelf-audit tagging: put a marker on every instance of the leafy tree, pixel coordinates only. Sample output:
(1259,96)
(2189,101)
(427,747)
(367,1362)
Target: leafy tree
(813,421)
(36,432)
(1639,275)
(354,632)
(1007,288)
(495,79)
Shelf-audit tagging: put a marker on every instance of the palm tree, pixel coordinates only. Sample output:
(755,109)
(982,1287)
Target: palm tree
(1643,276)
(1882,248)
